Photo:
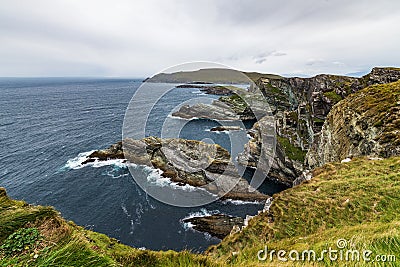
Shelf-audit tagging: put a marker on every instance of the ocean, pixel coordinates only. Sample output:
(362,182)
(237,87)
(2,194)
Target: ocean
(48,125)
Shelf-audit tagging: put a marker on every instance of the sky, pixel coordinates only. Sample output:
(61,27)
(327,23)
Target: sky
(123,38)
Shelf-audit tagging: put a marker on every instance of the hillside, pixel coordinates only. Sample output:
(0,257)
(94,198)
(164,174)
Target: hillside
(358,201)
(62,243)
(212,75)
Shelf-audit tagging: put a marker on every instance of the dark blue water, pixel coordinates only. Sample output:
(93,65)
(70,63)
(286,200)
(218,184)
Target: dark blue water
(46,122)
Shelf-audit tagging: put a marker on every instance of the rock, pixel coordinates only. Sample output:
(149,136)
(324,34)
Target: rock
(300,106)
(217,90)
(215,111)
(209,89)
(225,128)
(366,123)
(241,105)
(113,152)
(263,152)
(186,162)
(217,225)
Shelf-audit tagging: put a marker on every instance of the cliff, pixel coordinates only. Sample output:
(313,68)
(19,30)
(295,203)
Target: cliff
(300,106)
(366,123)
(355,202)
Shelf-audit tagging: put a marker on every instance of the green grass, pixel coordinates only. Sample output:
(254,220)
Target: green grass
(291,151)
(333,96)
(66,244)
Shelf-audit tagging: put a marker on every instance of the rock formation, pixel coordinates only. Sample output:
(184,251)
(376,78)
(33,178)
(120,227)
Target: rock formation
(300,106)
(366,123)
(209,89)
(218,225)
(185,162)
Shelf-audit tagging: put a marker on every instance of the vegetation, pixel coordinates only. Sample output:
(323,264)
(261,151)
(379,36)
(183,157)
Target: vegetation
(23,239)
(38,236)
(292,152)
(380,104)
(333,96)
(236,102)
(356,201)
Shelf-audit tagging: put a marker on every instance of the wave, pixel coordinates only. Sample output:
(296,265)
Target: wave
(241,202)
(180,118)
(202,213)
(76,163)
(198,92)
(154,176)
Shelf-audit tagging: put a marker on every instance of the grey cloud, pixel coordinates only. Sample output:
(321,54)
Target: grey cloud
(139,38)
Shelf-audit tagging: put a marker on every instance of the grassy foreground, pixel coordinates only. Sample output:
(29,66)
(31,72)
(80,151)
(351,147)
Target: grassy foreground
(357,201)
(66,244)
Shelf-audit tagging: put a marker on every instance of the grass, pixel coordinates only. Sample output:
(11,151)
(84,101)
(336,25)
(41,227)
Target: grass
(358,201)
(333,96)
(291,151)
(66,244)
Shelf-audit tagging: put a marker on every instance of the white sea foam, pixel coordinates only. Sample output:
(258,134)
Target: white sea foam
(198,92)
(153,175)
(76,163)
(202,213)
(241,202)
(180,118)
(216,132)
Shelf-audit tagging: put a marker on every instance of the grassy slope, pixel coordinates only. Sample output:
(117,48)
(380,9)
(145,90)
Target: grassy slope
(358,201)
(65,244)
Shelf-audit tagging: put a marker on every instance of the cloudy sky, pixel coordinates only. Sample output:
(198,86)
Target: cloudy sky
(139,38)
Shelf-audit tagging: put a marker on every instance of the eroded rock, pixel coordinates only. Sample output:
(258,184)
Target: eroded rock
(186,162)
(218,225)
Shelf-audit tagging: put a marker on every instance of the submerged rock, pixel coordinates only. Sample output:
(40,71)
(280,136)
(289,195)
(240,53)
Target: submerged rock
(217,225)
(185,162)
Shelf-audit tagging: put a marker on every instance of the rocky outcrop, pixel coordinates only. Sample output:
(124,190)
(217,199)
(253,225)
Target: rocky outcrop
(366,123)
(241,105)
(185,162)
(218,225)
(209,89)
(267,155)
(225,128)
(302,104)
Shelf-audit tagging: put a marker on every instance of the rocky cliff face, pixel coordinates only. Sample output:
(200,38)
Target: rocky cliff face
(366,123)
(300,106)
